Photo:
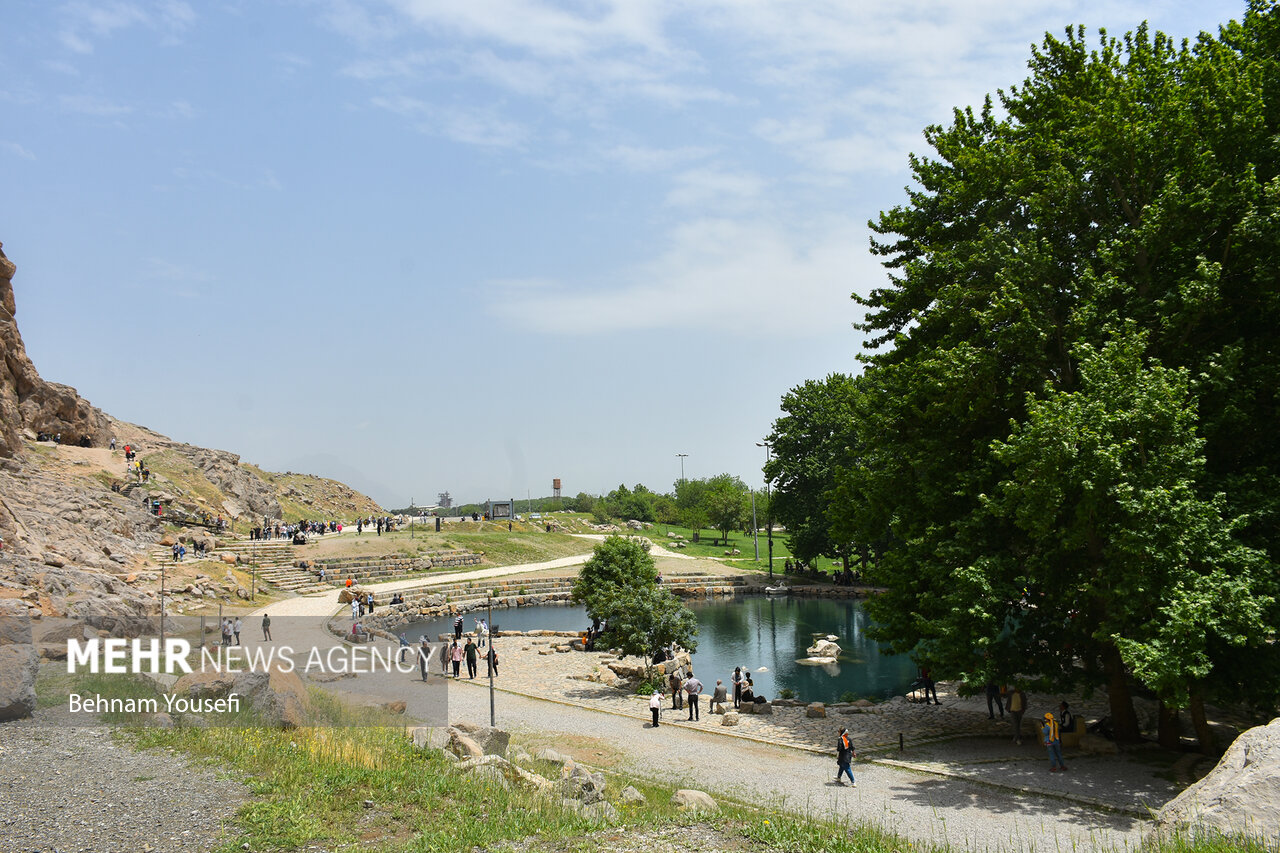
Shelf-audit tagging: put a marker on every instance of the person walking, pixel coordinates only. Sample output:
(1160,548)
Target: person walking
(1053,741)
(1017,707)
(693,689)
(455,655)
(444,659)
(677,695)
(266,627)
(993,701)
(844,758)
(235,629)
(929,686)
(404,647)
(491,660)
(424,655)
(655,705)
(472,656)
(457,627)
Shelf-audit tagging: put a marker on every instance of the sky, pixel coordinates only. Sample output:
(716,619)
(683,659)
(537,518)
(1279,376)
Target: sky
(423,245)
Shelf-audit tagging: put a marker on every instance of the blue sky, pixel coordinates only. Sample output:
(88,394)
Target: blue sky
(423,245)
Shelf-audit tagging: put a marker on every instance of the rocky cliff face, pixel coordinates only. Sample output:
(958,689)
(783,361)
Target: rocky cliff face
(26,400)
(76,526)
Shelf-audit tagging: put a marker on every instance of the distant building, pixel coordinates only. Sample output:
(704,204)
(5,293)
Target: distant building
(445,500)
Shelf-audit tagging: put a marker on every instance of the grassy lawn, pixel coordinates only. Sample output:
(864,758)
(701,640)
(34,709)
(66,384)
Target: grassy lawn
(524,543)
(737,539)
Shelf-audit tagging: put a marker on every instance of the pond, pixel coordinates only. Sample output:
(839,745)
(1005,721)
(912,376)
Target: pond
(752,632)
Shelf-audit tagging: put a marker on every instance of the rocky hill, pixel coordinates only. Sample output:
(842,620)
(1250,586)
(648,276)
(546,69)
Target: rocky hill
(78,529)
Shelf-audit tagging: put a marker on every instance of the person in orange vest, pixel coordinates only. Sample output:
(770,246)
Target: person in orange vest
(844,758)
(1053,741)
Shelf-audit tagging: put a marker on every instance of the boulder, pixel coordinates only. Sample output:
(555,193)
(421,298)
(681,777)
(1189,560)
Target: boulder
(429,737)
(491,741)
(19,662)
(278,697)
(550,755)
(463,746)
(764,709)
(631,795)
(824,649)
(815,709)
(584,787)
(1240,796)
(491,774)
(730,718)
(601,812)
(691,800)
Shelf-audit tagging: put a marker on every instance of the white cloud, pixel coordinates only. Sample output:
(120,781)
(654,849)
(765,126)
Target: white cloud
(164,270)
(92,105)
(83,22)
(642,158)
(17,150)
(472,126)
(720,276)
(716,190)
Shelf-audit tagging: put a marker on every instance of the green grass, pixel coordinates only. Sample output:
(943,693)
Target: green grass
(737,539)
(523,544)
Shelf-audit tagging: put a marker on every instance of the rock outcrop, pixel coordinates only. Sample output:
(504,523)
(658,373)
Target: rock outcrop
(18,662)
(26,400)
(1241,796)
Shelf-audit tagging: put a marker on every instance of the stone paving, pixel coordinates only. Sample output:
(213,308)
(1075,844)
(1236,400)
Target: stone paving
(526,669)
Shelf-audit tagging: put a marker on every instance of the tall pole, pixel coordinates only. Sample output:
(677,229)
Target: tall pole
(682,456)
(768,448)
(755,531)
(489,662)
(162,578)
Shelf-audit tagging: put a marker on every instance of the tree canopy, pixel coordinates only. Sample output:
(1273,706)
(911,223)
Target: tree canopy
(618,585)
(1064,433)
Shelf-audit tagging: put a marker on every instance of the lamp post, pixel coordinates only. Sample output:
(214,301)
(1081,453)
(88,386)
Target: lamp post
(768,454)
(755,530)
(682,456)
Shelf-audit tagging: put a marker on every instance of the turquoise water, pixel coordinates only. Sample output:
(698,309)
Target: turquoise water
(753,633)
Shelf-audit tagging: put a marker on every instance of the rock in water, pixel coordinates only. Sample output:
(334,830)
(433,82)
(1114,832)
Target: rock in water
(1239,796)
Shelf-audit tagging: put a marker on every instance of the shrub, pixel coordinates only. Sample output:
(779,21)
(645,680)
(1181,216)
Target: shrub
(786,693)
(848,696)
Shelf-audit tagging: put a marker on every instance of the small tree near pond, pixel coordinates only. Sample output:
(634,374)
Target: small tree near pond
(618,586)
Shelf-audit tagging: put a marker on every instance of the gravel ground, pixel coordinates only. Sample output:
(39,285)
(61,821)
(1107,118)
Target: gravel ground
(921,807)
(67,789)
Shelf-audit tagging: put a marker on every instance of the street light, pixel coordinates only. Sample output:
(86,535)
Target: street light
(682,456)
(768,448)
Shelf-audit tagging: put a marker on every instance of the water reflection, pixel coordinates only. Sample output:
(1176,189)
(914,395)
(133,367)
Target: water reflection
(772,633)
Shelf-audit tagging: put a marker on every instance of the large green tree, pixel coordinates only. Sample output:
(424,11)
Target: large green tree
(1123,193)
(727,503)
(618,585)
(617,563)
(813,440)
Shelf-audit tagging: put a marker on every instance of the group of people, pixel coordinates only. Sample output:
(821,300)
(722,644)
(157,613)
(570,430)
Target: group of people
(686,690)
(294,531)
(360,604)
(384,522)
(1001,698)
(231,631)
(452,656)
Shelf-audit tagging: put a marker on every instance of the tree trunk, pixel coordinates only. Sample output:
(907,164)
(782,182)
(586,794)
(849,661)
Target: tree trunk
(1124,720)
(1203,735)
(1168,732)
